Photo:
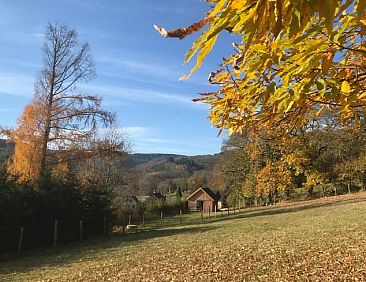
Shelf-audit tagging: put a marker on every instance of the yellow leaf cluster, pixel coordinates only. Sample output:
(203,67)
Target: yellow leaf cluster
(294,56)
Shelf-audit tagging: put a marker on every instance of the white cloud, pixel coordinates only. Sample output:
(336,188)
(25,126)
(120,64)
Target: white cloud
(151,140)
(17,84)
(24,38)
(137,131)
(155,140)
(23,64)
(135,66)
(136,78)
(7,110)
(143,95)
(141,136)
(23,86)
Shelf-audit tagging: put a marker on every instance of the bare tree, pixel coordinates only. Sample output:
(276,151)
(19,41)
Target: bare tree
(107,151)
(70,116)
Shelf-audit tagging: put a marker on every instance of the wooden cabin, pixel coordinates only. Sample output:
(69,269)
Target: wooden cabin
(204,199)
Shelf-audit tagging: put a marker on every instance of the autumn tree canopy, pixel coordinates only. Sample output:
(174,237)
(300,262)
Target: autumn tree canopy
(27,150)
(322,160)
(289,57)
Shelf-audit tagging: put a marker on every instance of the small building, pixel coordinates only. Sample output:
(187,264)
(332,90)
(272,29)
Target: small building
(204,199)
(137,201)
(142,199)
(132,202)
(157,196)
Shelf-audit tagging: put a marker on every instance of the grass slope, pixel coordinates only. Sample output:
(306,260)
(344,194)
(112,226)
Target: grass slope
(322,240)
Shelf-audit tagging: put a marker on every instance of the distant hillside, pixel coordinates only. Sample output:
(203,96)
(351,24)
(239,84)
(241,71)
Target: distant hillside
(6,150)
(134,160)
(192,163)
(3,143)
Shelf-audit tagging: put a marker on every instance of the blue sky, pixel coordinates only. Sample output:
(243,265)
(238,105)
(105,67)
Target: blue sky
(137,69)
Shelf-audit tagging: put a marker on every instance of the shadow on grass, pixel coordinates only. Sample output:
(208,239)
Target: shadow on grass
(43,258)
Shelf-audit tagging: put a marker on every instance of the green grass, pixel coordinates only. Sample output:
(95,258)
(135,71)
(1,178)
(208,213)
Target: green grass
(322,240)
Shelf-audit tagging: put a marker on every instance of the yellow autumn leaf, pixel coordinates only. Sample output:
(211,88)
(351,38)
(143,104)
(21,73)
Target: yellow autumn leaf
(345,87)
(230,131)
(201,55)
(236,4)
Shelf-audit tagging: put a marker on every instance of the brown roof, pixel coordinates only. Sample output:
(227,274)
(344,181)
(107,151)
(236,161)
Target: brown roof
(215,196)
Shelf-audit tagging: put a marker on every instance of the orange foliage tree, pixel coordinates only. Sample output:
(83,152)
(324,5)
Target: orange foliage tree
(27,153)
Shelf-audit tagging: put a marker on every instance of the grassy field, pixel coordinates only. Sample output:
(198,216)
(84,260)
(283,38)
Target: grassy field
(321,240)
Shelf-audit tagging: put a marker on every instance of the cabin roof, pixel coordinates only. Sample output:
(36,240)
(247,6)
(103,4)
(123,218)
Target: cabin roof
(214,196)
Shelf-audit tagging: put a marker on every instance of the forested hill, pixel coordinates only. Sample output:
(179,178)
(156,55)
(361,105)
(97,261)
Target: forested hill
(134,160)
(6,150)
(191,162)
(3,143)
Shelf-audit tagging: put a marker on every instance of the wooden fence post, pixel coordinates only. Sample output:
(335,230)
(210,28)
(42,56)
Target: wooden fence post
(55,234)
(202,215)
(123,225)
(239,205)
(104,225)
(143,219)
(129,219)
(215,211)
(161,217)
(81,229)
(180,216)
(20,242)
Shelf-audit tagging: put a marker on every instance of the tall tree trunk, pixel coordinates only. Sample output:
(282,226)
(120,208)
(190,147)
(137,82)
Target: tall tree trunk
(48,111)
(46,136)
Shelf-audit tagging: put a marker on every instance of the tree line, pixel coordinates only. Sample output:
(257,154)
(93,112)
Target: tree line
(320,159)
